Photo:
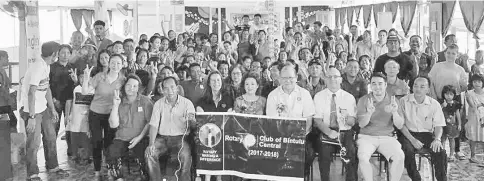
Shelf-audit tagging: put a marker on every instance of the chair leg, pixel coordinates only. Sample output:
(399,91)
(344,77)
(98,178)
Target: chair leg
(419,162)
(387,168)
(379,167)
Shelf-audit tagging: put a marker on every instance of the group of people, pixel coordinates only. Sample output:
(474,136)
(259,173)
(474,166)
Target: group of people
(373,97)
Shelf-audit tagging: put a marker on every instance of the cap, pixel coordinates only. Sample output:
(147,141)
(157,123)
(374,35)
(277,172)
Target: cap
(91,43)
(48,48)
(393,38)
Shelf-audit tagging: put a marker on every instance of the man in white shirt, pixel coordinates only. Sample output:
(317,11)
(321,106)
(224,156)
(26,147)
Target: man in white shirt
(335,115)
(257,25)
(39,112)
(424,122)
(290,100)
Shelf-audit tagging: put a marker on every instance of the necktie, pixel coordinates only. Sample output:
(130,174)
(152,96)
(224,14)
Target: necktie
(333,116)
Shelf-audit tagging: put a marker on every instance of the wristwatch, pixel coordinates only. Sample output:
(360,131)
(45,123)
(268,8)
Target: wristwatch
(31,116)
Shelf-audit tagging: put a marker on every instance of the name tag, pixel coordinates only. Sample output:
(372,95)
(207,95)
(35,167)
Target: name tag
(140,109)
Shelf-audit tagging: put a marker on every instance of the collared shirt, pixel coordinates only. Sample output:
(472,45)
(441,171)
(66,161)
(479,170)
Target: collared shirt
(133,117)
(398,89)
(358,88)
(313,89)
(172,120)
(37,74)
(102,102)
(297,104)
(345,102)
(381,121)
(379,49)
(421,117)
(60,82)
(420,56)
(193,90)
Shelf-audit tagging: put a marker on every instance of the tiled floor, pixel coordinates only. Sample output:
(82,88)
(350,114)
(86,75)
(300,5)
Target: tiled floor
(458,171)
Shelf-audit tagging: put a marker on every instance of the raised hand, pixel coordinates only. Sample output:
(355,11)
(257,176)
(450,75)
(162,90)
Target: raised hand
(73,75)
(393,105)
(87,71)
(370,107)
(116,98)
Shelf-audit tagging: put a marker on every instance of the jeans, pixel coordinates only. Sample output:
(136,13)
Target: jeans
(326,150)
(101,136)
(60,107)
(387,146)
(170,144)
(439,159)
(45,126)
(119,149)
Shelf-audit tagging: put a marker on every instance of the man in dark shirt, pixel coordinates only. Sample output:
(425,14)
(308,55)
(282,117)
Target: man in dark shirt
(353,82)
(194,88)
(416,55)
(407,72)
(269,86)
(462,59)
(88,53)
(5,98)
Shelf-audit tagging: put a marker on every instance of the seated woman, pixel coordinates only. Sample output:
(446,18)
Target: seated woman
(395,86)
(130,116)
(250,102)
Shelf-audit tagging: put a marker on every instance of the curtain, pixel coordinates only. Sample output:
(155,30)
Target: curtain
(349,12)
(342,17)
(366,15)
(336,17)
(392,7)
(407,12)
(76,15)
(447,14)
(88,14)
(377,8)
(357,11)
(473,14)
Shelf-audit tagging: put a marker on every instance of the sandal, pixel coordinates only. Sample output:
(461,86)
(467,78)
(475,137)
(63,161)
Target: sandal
(36,178)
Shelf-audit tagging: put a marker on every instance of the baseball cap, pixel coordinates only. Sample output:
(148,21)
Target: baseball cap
(90,43)
(48,48)
(393,38)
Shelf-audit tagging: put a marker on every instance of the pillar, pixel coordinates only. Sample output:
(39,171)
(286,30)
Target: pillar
(435,24)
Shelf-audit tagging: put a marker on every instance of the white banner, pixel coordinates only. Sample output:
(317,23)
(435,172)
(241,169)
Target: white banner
(32,31)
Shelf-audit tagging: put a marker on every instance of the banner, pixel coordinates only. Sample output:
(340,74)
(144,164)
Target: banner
(32,31)
(251,146)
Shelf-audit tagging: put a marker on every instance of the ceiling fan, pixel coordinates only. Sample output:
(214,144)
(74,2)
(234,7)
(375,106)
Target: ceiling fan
(123,9)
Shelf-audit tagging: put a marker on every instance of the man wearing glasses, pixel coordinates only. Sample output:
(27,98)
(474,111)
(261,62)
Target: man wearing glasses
(291,101)
(335,115)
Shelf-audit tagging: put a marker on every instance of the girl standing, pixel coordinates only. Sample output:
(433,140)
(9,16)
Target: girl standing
(451,109)
(475,125)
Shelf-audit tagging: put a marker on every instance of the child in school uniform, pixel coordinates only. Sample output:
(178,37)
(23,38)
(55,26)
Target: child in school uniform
(78,124)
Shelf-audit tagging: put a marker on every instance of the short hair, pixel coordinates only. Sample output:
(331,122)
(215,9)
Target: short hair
(362,57)
(311,63)
(423,77)
(182,68)
(448,88)
(128,40)
(318,23)
(453,46)
(142,41)
(415,36)
(99,22)
(353,26)
(168,78)
(49,48)
(193,65)
(253,75)
(130,76)
(245,16)
(62,47)
(220,63)
(294,67)
(164,38)
(288,28)
(246,57)
(261,31)
(256,61)
(378,75)
(118,42)
(449,36)
(257,15)
(228,42)
(167,68)
(384,31)
(144,77)
(352,60)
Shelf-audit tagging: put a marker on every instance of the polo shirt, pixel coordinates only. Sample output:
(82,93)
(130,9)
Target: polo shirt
(297,104)
(193,90)
(422,117)
(344,102)
(171,120)
(102,102)
(399,88)
(208,105)
(37,74)
(381,122)
(358,88)
(61,84)
(133,117)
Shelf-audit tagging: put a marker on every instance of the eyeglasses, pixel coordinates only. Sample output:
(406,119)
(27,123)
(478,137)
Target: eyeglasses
(287,78)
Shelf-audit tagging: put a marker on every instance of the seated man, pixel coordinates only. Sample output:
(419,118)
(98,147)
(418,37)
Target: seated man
(424,121)
(335,115)
(177,115)
(377,114)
